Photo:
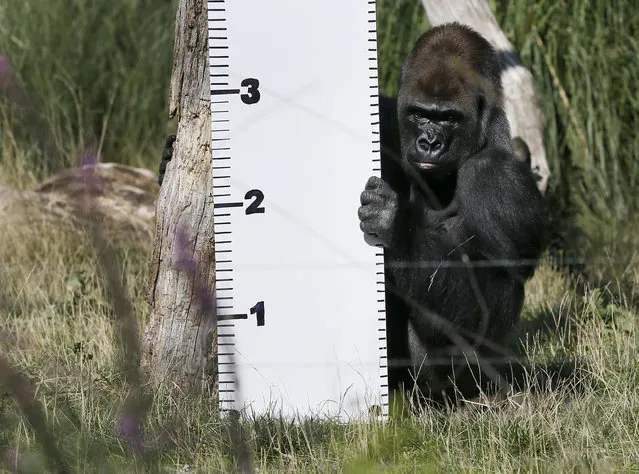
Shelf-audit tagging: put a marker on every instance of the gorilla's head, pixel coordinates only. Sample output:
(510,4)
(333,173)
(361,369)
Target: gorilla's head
(449,103)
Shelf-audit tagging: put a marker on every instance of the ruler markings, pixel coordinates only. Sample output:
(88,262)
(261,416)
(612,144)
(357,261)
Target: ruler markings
(219,49)
(221,28)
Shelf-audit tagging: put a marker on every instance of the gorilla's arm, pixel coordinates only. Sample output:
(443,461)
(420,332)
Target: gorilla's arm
(501,208)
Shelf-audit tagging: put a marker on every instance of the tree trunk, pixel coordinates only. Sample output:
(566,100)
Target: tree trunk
(521,96)
(180,340)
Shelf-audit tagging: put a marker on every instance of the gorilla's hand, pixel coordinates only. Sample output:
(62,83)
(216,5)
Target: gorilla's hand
(167,154)
(378,212)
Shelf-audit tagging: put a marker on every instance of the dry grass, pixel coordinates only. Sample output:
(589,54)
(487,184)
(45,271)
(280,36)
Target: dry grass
(58,327)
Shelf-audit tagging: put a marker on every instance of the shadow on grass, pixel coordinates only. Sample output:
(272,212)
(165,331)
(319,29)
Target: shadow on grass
(514,372)
(563,373)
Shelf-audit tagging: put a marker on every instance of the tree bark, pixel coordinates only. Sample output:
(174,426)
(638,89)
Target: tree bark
(179,344)
(520,91)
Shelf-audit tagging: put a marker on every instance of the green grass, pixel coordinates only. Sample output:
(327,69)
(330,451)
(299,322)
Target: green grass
(591,137)
(98,72)
(95,71)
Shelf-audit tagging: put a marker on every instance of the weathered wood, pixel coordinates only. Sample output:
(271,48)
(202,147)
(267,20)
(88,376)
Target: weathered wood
(180,341)
(521,95)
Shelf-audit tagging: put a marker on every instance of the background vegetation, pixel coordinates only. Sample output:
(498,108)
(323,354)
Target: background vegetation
(96,73)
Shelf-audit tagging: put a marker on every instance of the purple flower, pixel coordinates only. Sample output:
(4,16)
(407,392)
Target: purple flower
(88,167)
(88,159)
(131,430)
(182,257)
(186,261)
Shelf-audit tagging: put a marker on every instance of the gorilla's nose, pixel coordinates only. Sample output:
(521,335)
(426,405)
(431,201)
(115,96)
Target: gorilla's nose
(430,145)
(431,137)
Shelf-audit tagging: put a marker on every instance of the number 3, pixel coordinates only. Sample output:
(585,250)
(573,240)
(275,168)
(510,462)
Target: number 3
(253,95)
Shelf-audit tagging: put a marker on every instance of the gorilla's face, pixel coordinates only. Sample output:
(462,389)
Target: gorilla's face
(438,133)
(449,95)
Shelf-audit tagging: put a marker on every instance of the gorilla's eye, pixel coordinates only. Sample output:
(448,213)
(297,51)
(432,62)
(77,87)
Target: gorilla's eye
(416,117)
(451,116)
(448,117)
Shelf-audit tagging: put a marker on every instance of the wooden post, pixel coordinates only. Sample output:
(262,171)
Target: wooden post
(179,345)
(520,91)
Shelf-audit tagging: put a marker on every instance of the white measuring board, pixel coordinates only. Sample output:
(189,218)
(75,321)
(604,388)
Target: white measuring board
(295,136)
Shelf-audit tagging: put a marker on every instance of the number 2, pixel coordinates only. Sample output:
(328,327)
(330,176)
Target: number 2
(254,207)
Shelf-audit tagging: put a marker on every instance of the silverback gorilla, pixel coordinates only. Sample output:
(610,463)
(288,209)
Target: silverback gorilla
(457,211)
(459,216)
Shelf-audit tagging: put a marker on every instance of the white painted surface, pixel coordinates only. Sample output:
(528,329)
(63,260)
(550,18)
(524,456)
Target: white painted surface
(309,145)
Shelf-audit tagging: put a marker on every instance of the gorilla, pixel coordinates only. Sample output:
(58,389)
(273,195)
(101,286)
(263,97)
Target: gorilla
(458,213)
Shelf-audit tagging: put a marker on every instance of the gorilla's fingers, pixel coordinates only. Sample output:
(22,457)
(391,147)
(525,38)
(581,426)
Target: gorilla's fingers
(368,197)
(368,227)
(373,183)
(367,212)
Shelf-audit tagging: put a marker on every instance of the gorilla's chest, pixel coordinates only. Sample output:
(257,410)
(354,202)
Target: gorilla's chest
(427,249)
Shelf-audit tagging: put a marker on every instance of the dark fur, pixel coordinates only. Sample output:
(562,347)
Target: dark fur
(457,191)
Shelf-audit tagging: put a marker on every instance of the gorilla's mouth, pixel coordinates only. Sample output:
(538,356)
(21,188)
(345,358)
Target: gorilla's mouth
(424,163)
(426,166)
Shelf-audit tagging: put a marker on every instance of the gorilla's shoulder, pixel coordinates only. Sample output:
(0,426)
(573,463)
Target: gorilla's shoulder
(495,167)
(492,160)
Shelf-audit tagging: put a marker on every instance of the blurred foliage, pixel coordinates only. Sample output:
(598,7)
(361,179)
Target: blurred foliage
(399,24)
(97,69)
